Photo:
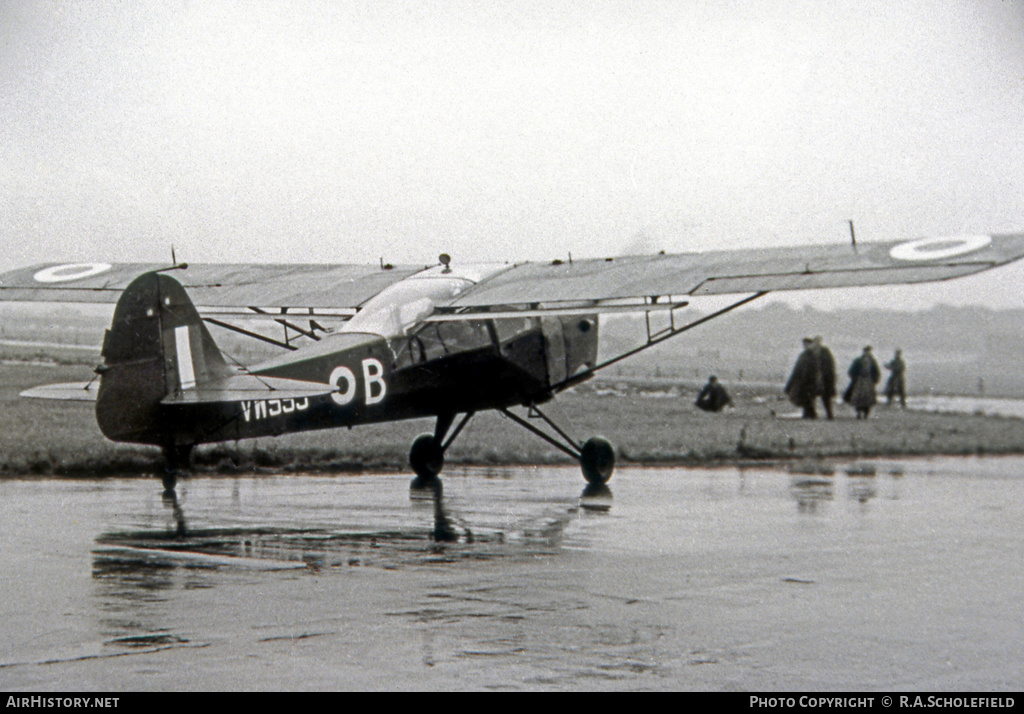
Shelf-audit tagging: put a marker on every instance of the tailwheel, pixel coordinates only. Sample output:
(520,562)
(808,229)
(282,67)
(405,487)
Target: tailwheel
(176,460)
(426,457)
(597,459)
(170,480)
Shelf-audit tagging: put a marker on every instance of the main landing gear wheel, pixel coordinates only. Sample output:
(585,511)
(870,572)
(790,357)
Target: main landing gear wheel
(426,457)
(597,459)
(427,453)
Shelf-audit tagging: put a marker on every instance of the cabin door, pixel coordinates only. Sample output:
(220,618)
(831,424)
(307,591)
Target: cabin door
(554,349)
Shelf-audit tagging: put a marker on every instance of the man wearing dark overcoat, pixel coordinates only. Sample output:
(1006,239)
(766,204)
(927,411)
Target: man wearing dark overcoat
(827,365)
(805,383)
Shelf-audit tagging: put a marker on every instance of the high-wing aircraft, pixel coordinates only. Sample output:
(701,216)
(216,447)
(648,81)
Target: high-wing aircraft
(443,342)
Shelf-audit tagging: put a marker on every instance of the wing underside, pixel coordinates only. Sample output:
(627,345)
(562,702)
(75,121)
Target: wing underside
(212,285)
(594,284)
(745,271)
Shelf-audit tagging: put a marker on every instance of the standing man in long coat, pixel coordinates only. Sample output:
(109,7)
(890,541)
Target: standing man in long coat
(827,365)
(897,385)
(805,384)
(864,375)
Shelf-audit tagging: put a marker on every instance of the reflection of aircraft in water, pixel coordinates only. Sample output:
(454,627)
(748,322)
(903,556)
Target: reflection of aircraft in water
(443,342)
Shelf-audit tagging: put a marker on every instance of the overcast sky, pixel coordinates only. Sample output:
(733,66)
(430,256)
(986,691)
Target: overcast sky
(304,131)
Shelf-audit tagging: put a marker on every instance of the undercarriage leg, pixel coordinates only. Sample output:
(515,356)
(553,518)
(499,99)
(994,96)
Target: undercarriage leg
(177,458)
(596,456)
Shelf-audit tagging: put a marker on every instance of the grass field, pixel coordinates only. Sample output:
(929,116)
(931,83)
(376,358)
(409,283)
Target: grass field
(648,426)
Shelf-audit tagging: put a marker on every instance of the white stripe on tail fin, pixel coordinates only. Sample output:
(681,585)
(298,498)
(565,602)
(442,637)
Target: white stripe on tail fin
(186,367)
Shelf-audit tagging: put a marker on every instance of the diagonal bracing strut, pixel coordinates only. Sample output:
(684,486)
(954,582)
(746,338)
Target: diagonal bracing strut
(571,446)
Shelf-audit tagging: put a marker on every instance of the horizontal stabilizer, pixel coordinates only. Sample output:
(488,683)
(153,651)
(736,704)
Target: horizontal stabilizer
(246,387)
(67,391)
(93,349)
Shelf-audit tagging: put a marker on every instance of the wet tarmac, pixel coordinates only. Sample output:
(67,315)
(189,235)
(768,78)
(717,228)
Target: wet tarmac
(888,575)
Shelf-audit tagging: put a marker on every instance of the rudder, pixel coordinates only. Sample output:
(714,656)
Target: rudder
(157,345)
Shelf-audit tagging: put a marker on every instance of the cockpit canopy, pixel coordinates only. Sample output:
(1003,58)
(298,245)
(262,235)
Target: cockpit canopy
(398,312)
(403,305)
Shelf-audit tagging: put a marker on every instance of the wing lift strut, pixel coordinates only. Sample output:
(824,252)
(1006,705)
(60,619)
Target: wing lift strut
(654,337)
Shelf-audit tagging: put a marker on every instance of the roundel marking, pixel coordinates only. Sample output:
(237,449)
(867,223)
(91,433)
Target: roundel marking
(935,248)
(72,271)
(337,375)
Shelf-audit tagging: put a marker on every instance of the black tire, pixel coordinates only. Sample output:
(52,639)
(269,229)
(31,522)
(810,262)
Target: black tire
(597,460)
(426,457)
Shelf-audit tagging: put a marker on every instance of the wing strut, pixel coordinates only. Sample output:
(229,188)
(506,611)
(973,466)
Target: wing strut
(654,338)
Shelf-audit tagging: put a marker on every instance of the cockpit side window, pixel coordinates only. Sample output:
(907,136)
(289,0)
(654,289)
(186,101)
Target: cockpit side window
(508,328)
(440,339)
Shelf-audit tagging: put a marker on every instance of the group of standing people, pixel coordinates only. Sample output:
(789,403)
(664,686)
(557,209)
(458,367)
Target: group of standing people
(814,377)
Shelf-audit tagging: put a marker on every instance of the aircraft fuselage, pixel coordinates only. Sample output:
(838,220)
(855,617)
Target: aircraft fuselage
(165,382)
(379,380)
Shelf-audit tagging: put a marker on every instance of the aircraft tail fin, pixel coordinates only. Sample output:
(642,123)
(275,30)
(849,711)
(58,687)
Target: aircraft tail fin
(157,346)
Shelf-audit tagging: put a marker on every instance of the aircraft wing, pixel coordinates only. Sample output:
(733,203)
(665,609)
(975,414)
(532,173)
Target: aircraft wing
(209,285)
(592,281)
(744,271)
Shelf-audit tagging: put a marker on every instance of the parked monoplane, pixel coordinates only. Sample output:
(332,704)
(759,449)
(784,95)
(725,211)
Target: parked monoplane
(445,341)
